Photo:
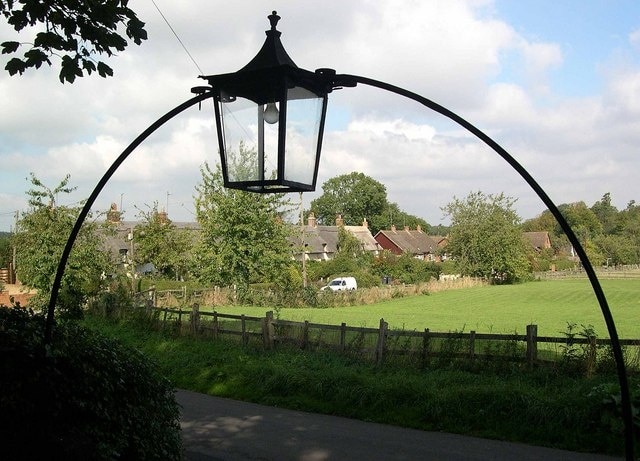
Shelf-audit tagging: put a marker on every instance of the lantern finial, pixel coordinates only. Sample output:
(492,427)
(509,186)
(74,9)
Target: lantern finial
(273,19)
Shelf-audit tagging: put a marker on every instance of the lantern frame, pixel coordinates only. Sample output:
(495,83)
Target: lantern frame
(271,79)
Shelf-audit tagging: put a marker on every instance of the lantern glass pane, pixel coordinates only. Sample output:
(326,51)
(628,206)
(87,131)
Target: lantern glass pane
(304,111)
(251,144)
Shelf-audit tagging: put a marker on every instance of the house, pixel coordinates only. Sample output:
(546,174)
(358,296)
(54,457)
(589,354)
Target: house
(538,240)
(321,242)
(415,242)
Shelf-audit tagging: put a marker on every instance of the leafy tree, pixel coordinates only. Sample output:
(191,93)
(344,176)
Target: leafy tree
(607,214)
(404,268)
(392,214)
(5,248)
(244,238)
(617,249)
(545,221)
(485,239)
(582,219)
(41,236)
(348,245)
(354,195)
(76,31)
(158,241)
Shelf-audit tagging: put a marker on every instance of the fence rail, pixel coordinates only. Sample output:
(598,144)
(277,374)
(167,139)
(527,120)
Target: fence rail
(382,343)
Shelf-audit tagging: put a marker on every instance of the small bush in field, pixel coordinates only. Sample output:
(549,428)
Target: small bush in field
(83,397)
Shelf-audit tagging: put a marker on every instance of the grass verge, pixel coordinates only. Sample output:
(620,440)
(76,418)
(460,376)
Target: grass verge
(537,407)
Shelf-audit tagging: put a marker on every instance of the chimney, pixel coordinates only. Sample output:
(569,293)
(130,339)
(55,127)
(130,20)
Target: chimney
(311,219)
(339,220)
(406,228)
(419,228)
(393,227)
(365,223)
(113,215)
(163,217)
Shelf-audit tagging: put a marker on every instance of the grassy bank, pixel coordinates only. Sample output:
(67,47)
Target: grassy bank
(541,407)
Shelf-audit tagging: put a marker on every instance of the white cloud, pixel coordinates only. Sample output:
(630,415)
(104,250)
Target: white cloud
(461,54)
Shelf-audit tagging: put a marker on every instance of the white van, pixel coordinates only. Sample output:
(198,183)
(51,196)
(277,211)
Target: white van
(342,284)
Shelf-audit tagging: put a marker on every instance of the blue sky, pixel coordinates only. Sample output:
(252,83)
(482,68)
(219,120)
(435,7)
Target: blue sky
(556,83)
(590,33)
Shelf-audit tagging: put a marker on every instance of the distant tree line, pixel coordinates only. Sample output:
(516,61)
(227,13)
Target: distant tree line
(609,236)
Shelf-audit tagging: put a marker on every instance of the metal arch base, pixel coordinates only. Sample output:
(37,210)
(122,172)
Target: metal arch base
(55,288)
(597,288)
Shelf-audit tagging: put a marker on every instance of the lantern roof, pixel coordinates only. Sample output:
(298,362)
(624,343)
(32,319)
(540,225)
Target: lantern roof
(272,53)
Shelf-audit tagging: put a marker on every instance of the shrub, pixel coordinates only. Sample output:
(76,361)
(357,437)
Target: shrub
(83,397)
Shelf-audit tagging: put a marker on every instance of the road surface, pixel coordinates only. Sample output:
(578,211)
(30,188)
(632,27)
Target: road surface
(216,429)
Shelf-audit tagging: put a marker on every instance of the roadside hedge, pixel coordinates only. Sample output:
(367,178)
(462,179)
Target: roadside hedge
(83,397)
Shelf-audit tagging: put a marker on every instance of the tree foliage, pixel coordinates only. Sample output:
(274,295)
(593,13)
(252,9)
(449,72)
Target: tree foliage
(485,239)
(609,236)
(41,236)
(358,197)
(86,397)
(355,196)
(158,241)
(244,237)
(5,248)
(75,31)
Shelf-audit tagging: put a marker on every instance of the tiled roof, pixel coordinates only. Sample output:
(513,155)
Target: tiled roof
(413,241)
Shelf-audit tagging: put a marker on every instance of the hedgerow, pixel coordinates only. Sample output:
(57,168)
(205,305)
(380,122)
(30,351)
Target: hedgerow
(84,396)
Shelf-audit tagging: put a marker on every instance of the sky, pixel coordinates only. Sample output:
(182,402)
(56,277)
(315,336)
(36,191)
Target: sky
(556,84)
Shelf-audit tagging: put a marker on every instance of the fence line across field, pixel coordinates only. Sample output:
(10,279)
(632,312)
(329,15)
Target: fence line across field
(382,343)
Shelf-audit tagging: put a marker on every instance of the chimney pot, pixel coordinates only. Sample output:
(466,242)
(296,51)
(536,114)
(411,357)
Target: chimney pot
(311,219)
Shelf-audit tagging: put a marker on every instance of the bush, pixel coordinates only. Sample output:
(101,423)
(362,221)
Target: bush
(83,397)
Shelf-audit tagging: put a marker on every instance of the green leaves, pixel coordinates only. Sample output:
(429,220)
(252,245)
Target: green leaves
(75,31)
(92,397)
(357,197)
(244,238)
(485,239)
(42,234)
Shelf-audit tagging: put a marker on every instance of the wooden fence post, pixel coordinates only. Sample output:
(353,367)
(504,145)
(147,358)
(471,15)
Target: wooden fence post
(532,344)
(592,355)
(195,319)
(343,336)
(243,323)
(268,331)
(382,334)
(472,344)
(215,325)
(425,347)
(305,334)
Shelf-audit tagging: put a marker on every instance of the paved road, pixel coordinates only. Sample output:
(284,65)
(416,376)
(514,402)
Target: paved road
(216,429)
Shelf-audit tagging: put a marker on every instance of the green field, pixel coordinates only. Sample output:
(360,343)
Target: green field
(497,309)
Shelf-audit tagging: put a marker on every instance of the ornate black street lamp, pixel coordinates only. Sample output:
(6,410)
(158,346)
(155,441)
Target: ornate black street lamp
(270,119)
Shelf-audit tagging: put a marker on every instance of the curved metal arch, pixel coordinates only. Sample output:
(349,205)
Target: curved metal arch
(55,288)
(348,80)
(627,417)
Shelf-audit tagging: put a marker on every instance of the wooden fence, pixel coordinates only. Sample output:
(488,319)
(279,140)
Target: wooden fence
(630,271)
(382,343)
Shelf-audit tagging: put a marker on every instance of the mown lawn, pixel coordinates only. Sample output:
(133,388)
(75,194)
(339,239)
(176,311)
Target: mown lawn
(498,309)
